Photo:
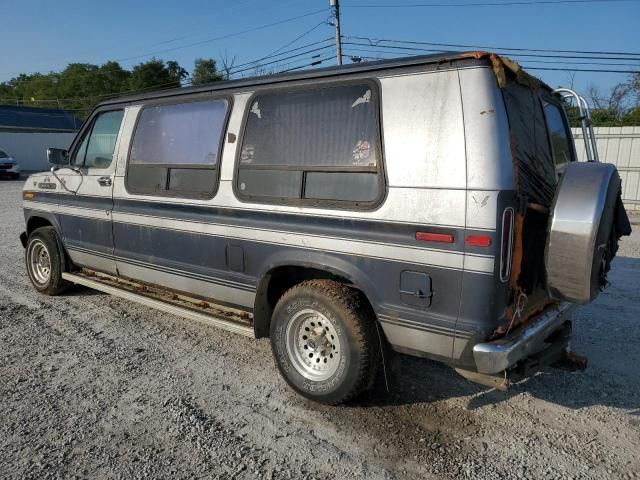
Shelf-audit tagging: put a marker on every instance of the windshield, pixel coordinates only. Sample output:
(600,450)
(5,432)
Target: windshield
(3,154)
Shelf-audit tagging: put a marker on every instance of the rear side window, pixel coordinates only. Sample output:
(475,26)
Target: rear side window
(558,135)
(312,146)
(176,149)
(99,143)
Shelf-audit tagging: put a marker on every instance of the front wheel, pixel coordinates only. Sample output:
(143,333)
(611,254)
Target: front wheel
(324,341)
(45,261)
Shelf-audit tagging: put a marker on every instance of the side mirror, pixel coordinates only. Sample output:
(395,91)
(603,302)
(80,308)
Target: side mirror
(58,156)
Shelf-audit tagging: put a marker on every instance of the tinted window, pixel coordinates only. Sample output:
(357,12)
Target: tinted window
(175,149)
(558,134)
(180,134)
(312,145)
(98,145)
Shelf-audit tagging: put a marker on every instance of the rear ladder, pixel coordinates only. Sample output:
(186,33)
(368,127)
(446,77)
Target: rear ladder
(586,124)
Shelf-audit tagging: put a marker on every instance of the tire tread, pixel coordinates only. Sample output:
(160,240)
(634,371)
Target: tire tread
(352,306)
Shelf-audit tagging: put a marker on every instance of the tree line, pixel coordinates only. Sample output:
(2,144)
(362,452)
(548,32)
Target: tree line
(617,108)
(81,86)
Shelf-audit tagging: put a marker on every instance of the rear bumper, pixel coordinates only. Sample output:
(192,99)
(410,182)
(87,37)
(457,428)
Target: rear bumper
(496,356)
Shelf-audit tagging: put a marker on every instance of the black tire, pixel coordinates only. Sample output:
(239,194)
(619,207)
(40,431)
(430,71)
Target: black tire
(344,314)
(15,176)
(42,243)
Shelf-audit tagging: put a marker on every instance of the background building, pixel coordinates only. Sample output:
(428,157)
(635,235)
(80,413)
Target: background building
(26,133)
(620,146)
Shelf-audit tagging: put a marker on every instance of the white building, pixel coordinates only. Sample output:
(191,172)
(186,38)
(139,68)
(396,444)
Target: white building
(620,146)
(27,132)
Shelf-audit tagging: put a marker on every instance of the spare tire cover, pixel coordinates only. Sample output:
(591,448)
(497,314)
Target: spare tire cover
(576,253)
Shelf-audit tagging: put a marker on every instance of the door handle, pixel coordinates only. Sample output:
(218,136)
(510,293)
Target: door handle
(417,293)
(104,181)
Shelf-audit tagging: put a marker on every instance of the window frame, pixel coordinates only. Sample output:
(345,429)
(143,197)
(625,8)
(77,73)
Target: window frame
(379,169)
(86,131)
(567,128)
(155,102)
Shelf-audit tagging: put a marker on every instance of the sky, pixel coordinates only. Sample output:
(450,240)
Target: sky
(47,35)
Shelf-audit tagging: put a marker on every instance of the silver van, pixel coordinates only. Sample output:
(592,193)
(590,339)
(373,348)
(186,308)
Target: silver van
(429,205)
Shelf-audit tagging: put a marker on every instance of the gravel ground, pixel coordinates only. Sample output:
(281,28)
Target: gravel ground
(92,386)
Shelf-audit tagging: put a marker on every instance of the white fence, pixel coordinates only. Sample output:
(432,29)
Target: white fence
(620,146)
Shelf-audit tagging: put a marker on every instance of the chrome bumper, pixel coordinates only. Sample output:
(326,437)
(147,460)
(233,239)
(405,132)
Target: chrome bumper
(496,356)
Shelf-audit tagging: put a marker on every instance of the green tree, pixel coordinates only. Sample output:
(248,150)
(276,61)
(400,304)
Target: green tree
(176,71)
(114,78)
(632,117)
(37,89)
(81,86)
(205,71)
(156,74)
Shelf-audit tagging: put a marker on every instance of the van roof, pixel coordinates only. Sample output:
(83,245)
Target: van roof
(437,60)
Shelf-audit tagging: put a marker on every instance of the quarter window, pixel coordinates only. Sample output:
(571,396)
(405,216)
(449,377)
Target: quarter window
(558,135)
(312,146)
(176,149)
(98,145)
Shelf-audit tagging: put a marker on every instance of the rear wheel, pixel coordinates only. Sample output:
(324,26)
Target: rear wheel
(45,261)
(324,341)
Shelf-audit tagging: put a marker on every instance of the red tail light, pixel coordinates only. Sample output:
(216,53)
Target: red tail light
(434,237)
(506,246)
(478,240)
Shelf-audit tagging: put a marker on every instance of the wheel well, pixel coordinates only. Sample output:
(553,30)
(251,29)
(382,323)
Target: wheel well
(277,281)
(37,222)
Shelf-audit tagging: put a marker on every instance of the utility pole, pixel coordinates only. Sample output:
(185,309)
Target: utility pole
(336,22)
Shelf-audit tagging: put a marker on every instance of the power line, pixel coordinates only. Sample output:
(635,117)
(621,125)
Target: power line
(581,70)
(281,59)
(302,47)
(230,9)
(510,49)
(396,47)
(527,67)
(294,40)
(481,4)
(312,64)
(550,62)
(223,37)
(209,40)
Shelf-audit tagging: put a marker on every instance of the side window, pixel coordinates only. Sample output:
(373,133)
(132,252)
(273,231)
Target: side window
(175,149)
(98,144)
(312,146)
(558,135)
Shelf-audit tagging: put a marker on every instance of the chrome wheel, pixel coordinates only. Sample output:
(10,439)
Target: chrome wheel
(313,345)
(39,262)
